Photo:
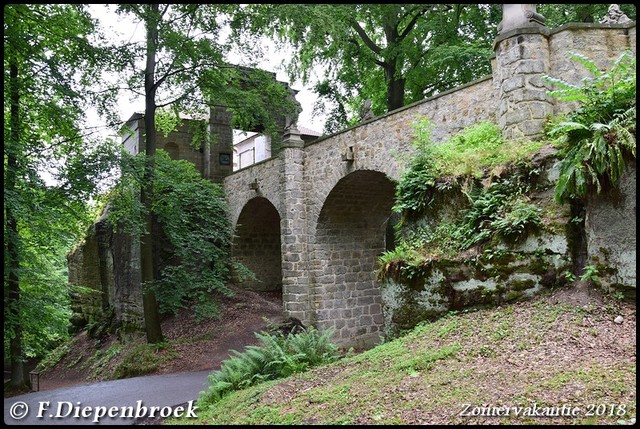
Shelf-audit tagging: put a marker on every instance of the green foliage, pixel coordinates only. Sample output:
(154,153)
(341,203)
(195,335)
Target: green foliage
(52,357)
(416,185)
(404,262)
(143,359)
(98,363)
(167,120)
(277,356)
(192,214)
(478,148)
(50,168)
(590,274)
(598,136)
(499,210)
(392,54)
(468,155)
(515,218)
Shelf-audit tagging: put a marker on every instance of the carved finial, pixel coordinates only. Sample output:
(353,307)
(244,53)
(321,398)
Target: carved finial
(519,15)
(291,136)
(615,16)
(366,112)
(292,118)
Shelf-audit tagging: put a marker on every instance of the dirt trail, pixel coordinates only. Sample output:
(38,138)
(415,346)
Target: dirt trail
(199,346)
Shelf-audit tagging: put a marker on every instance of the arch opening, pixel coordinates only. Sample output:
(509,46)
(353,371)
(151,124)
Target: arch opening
(351,233)
(257,245)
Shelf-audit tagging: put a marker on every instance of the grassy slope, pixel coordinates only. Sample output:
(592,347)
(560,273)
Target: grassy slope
(549,352)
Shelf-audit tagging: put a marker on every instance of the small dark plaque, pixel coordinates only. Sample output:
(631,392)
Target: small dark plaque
(225,159)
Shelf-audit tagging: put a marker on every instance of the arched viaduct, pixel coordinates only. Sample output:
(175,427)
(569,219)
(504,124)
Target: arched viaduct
(313,220)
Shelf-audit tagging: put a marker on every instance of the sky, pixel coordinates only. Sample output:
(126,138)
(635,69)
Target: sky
(125,29)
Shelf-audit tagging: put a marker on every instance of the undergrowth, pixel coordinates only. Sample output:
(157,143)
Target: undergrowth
(494,174)
(277,356)
(600,135)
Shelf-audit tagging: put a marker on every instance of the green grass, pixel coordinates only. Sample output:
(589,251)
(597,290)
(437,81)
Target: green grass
(143,359)
(477,148)
(515,355)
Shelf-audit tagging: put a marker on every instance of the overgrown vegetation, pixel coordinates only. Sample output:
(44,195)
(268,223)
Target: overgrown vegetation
(477,152)
(495,176)
(596,138)
(143,359)
(545,352)
(595,141)
(276,357)
(191,212)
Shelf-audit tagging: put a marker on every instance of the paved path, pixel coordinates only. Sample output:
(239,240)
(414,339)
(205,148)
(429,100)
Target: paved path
(123,399)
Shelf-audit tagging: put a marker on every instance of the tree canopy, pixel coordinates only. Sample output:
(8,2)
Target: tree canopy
(49,62)
(391,54)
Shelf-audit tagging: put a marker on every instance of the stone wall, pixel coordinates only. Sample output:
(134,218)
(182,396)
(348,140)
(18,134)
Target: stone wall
(610,226)
(328,254)
(332,198)
(600,43)
(349,237)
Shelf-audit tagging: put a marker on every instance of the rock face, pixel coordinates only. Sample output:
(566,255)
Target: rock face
(499,271)
(610,226)
(106,272)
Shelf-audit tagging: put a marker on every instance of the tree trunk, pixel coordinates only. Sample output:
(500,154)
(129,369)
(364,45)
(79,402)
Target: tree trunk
(18,378)
(147,251)
(395,89)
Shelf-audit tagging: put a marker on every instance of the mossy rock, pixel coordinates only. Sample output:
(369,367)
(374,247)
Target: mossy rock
(521,284)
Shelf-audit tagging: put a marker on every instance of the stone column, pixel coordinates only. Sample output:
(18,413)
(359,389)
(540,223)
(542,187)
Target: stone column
(221,150)
(293,227)
(522,58)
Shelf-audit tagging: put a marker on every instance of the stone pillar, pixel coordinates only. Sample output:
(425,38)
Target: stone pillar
(293,227)
(522,58)
(127,294)
(221,150)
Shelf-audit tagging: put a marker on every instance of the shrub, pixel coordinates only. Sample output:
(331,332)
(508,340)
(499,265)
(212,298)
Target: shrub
(468,154)
(144,359)
(192,214)
(277,356)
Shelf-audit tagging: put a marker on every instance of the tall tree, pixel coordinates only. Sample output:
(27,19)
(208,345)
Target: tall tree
(393,54)
(48,58)
(559,14)
(185,71)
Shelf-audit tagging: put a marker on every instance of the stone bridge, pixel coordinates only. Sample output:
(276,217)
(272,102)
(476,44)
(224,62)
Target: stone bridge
(312,220)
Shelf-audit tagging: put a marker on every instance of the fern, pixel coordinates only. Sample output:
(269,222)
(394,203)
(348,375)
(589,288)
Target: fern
(598,136)
(277,356)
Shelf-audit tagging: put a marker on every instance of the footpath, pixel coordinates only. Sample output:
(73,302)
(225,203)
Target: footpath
(117,402)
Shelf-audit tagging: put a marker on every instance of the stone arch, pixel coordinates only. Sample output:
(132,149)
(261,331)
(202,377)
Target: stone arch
(257,244)
(173,150)
(350,234)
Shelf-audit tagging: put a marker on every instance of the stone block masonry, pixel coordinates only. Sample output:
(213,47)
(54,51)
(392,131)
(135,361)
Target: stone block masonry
(334,196)
(313,219)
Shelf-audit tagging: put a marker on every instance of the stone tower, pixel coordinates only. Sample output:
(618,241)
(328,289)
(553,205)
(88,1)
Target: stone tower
(521,59)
